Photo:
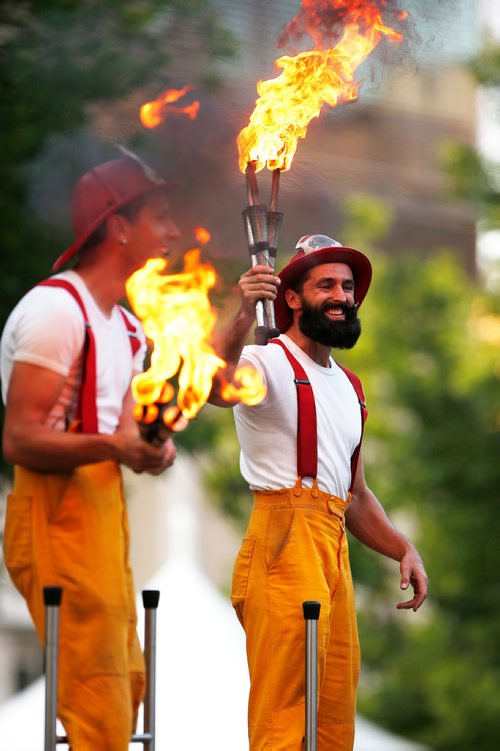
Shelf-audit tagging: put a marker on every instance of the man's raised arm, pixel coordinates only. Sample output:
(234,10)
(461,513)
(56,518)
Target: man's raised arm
(258,283)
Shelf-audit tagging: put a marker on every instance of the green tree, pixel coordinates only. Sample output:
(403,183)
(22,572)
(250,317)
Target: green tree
(59,59)
(428,360)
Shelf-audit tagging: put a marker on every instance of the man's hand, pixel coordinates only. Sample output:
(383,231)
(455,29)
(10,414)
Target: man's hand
(141,456)
(258,283)
(413,573)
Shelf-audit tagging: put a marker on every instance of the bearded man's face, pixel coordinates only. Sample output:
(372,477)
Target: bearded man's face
(318,326)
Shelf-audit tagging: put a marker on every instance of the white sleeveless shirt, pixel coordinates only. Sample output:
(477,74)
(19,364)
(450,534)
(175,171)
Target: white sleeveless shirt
(268,432)
(46,328)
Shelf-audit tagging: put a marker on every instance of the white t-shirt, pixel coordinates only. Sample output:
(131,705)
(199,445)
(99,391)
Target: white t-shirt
(46,328)
(268,432)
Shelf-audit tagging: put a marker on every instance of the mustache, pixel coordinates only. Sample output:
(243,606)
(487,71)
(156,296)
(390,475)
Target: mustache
(349,310)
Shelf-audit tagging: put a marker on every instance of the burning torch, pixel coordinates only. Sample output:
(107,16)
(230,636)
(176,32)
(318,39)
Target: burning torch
(287,104)
(157,421)
(178,319)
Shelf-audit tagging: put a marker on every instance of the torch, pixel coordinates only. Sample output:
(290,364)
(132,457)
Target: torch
(178,319)
(262,230)
(158,421)
(287,104)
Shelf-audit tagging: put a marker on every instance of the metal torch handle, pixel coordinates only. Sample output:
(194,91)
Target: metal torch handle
(52,597)
(264,309)
(311,609)
(156,431)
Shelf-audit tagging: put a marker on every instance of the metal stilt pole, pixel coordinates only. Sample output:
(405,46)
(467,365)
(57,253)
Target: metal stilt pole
(311,615)
(150,599)
(52,597)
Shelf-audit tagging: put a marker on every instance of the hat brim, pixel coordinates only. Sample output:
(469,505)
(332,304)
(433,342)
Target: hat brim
(70,252)
(358,263)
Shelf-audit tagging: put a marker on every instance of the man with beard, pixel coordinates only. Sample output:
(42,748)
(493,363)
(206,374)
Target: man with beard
(300,453)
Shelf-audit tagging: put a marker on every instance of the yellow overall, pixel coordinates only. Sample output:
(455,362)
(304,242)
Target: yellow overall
(295,549)
(71,530)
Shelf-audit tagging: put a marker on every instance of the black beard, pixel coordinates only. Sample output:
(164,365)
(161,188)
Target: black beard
(314,324)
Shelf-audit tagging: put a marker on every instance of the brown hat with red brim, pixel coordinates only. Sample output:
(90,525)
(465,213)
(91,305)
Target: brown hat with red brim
(314,250)
(103,190)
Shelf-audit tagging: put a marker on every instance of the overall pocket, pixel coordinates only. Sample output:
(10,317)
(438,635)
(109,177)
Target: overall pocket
(17,540)
(240,575)
(278,533)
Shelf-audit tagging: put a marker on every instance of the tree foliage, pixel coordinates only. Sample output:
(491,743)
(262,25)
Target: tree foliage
(472,176)
(59,58)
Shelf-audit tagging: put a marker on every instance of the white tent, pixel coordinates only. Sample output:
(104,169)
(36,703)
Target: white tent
(202,679)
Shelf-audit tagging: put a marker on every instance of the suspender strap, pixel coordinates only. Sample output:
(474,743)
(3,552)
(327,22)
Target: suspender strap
(87,399)
(358,388)
(135,342)
(307,430)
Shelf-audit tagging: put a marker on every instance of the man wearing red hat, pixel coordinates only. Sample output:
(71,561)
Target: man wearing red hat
(68,354)
(301,455)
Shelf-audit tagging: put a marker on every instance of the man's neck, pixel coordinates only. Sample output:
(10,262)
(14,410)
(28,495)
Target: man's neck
(104,281)
(319,353)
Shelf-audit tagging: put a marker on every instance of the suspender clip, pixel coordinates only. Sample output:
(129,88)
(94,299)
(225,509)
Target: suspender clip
(302,380)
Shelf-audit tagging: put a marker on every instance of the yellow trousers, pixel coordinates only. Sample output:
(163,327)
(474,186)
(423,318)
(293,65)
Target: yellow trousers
(72,531)
(295,549)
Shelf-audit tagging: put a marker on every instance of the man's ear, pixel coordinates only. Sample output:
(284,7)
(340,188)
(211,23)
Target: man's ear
(293,299)
(117,228)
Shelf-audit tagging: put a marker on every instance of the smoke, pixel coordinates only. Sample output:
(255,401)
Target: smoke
(325,20)
(201,155)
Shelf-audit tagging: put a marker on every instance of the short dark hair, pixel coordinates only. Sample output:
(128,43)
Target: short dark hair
(298,285)
(130,211)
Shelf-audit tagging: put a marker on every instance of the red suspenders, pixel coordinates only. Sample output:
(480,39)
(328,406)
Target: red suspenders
(87,399)
(358,388)
(307,431)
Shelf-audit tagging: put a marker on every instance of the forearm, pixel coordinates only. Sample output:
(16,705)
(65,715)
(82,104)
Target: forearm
(368,522)
(229,345)
(258,283)
(45,450)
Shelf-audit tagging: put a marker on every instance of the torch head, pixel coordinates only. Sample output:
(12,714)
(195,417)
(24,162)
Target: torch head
(313,250)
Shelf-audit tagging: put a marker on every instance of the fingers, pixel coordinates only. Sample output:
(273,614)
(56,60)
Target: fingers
(413,574)
(412,604)
(165,460)
(258,283)
(142,456)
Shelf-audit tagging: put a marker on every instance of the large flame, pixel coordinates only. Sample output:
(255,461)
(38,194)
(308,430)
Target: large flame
(178,318)
(288,103)
(154,113)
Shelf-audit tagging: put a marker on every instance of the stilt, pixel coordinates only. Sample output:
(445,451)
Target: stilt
(52,597)
(311,611)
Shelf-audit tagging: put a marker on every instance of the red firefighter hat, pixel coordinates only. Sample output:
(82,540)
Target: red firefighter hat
(313,250)
(104,189)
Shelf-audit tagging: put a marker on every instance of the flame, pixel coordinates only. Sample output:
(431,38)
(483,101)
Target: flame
(202,235)
(154,113)
(178,318)
(288,103)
